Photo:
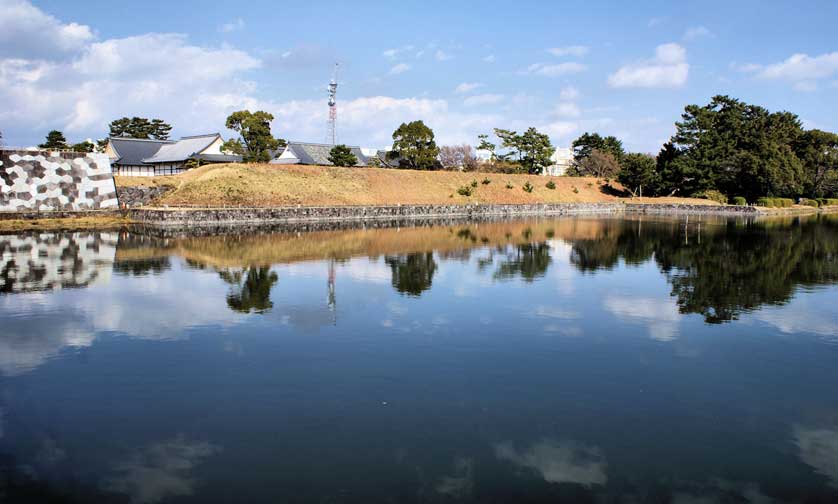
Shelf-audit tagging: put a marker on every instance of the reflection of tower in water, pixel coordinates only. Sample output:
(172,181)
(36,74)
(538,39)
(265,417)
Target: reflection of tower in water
(330,300)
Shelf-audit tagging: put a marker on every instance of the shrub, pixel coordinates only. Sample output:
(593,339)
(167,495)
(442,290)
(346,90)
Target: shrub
(550,184)
(486,181)
(810,202)
(739,201)
(713,195)
(509,186)
(829,202)
(765,202)
(465,190)
(784,202)
(527,187)
(473,183)
(575,190)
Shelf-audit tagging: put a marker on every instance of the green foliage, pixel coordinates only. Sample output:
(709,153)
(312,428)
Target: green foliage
(531,150)
(509,185)
(256,140)
(575,190)
(486,181)
(140,127)
(527,187)
(473,183)
(55,140)
(85,146)
(775,202)
(550,185)
(412,274)
(414,145)
(810,202)
(588,142)
(341,155)
(739,201)
(639,174)
(254,294)
(192,163)
(465,190)
(732,147)
(713,195)
(818,151)
(486,145)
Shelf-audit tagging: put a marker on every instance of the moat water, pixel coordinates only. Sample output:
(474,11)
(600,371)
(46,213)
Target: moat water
(544,360)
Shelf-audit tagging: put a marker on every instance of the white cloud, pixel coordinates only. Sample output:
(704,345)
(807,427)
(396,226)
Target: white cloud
(659,315)
(441,55)
(28,32)
(489,58)
(553,70)
(568,109)
(232,26)
(576,50)
(696,32)
(569,93)
(801,67)
(400,68)
(558,462)
(397,51)
(669,68)
(483,99)
(467,87)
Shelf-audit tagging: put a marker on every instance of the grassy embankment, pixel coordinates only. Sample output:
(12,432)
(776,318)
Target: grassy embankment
(271,185)
(63,224)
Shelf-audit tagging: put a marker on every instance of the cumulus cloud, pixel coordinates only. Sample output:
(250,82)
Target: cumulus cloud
(489,58)
(800,67)
(483,99)
(28,32)
(660,316)
(576,50)
(236,25)
(696,32)
(558,462)
(467,87)
(556,70)
(669,68)
(396,52)
(399,69)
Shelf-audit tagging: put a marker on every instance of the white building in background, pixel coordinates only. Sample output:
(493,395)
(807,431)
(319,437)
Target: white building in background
(561,161)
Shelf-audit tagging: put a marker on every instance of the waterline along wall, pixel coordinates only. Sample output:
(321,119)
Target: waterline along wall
(44,180)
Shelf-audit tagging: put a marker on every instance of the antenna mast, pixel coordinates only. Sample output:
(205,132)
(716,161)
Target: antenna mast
(333,108)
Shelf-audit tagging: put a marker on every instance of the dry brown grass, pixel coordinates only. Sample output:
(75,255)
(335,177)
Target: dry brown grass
(275,185)
(70,223)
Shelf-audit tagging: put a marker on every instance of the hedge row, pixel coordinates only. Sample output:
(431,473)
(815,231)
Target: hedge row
(775,202)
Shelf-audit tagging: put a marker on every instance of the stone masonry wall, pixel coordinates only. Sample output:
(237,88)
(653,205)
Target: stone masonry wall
(42,181)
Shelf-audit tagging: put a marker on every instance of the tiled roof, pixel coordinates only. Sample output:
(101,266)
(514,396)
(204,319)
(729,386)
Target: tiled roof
(132,151)
(318,154)
(181,150)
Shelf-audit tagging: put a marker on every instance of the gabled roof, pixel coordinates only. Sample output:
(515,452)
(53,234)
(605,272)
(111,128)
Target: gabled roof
(183,149)
(132,151)
(318,154)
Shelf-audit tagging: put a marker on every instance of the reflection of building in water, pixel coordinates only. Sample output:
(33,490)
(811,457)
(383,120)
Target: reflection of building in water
(46,261)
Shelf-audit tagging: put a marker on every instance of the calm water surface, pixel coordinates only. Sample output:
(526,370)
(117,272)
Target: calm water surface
(566,360)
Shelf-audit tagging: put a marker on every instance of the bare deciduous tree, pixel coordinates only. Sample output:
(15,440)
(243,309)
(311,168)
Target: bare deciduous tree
(458,158)
(598,164)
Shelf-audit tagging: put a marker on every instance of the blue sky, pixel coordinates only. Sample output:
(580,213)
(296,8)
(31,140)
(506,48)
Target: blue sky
(463,67)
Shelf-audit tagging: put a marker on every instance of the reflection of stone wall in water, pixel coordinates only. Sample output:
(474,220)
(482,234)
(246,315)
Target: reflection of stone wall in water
(55,181)
(49,261)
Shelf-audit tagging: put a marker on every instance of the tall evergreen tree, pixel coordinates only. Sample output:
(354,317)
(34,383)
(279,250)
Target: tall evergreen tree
(54,140)
(256,140)
(414,145)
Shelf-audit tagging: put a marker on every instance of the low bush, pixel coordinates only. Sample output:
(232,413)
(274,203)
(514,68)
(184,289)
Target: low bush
(712,195)
(829,201)
(509,186)
(465,190)
(784,202)
(575,190)
(527,187)
(473,183)
(810,202)
(550,185)
(775,202)
(739,201)
(486,181)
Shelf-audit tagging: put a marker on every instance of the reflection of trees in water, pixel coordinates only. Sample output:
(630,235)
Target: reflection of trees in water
(722,270)
(151,266)
(529,260)
(252,294)
(412,273)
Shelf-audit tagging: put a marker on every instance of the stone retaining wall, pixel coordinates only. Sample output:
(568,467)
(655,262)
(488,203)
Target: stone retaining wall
(45,180)
(220,216)
(681,209)
(137,196)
